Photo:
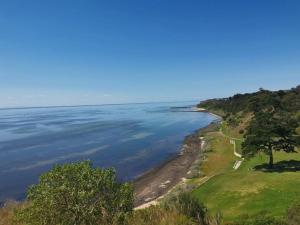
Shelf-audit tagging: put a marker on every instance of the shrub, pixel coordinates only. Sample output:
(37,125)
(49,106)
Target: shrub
(186,204)
(76,193)
(159,216)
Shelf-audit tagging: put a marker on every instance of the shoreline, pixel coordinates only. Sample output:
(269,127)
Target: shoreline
(155,183)
(158,181)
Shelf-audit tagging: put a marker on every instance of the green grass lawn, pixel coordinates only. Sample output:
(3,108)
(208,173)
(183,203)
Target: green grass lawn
(248,191)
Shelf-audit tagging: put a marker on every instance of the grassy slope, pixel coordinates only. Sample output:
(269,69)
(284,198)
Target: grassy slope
(237,192)
(233,133)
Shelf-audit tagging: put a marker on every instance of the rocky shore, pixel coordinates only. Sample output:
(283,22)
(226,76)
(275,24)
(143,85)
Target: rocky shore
(158,181)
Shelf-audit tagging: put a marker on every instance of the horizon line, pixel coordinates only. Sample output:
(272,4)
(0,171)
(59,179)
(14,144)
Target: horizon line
(86,105)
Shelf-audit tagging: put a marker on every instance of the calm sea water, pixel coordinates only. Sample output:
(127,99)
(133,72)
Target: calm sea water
(132,138)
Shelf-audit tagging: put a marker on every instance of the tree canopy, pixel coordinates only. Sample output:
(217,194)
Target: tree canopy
(77,194)
(268,132)
(287,100)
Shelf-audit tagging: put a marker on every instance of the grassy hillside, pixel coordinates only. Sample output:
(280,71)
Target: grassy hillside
(246,190)
(249,189)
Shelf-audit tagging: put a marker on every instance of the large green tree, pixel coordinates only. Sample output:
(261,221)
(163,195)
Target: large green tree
(77,194)
(267,132)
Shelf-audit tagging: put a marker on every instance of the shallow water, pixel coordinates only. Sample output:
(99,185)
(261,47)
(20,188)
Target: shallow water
(132,138)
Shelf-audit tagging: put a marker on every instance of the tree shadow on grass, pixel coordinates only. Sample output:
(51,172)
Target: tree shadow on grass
(279,167)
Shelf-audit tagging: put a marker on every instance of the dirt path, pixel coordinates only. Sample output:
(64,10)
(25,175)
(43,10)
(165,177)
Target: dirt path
(233,140)
(225,135)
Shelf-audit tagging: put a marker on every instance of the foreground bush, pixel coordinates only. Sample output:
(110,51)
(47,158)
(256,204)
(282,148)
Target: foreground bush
(77,194)
(186,204)
(159,216)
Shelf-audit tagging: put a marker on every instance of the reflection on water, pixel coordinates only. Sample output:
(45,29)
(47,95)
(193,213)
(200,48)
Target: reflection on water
(132,138)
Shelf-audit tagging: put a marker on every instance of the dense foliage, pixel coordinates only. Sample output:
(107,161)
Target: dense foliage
(77,194)
(286,100)
(274,119)
(268,132)
(188,205)
(156,215)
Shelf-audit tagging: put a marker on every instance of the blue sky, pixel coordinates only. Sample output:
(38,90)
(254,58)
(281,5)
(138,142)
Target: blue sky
(73,52)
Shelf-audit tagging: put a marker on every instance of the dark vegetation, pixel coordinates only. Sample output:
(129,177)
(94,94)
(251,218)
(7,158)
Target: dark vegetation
(270,131)
(75,194)
(286,100)
(282,166)
(274,119)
